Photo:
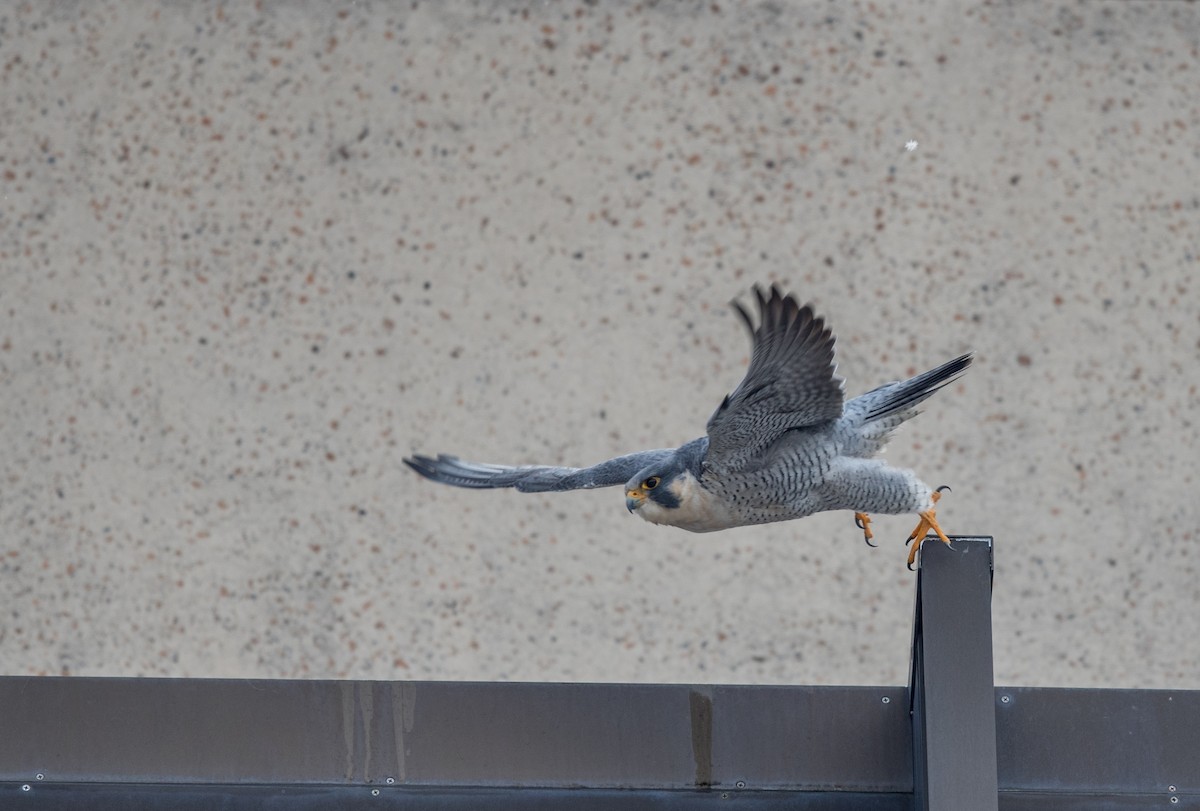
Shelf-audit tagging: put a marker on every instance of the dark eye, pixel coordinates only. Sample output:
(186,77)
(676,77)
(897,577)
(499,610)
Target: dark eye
(650,483)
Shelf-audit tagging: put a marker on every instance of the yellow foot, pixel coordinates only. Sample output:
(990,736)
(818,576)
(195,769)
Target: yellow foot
(863,522)
(928,522)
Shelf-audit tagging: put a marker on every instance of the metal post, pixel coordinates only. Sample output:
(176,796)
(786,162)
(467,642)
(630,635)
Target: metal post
(951,691)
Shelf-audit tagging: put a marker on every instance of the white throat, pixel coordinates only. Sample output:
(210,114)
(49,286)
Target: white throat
(698,510)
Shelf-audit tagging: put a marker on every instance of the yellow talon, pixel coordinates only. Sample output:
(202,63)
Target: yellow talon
(863,522)
(928,522)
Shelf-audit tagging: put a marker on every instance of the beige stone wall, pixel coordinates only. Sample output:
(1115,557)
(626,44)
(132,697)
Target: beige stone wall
(251,258)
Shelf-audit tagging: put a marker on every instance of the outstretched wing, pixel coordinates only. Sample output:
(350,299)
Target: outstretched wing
(790,383)
(534,478)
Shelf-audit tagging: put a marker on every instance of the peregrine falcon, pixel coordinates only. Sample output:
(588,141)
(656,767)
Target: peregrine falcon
(785,444)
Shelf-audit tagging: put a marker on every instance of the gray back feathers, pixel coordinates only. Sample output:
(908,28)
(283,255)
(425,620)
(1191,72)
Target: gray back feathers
(790,383)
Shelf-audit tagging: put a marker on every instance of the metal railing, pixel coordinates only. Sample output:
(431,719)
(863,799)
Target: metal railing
(950,740)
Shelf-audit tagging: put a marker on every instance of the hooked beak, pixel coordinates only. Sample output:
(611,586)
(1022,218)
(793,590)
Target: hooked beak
(634,499)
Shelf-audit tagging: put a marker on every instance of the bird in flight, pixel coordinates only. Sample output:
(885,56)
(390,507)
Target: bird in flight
(784,444)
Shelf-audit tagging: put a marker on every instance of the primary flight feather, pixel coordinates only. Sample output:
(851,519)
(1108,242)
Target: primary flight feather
(784,444)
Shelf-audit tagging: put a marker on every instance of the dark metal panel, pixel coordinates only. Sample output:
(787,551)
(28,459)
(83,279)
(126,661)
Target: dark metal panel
(83,797)
(1056,739)
(1082,801)
(109,797)
(844,738)
(453,734)
(188,730)
(954,722)
(180,729)
(548,735)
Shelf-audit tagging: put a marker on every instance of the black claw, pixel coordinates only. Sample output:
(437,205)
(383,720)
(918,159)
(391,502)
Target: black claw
(945,487)
(858,522)
(910,568)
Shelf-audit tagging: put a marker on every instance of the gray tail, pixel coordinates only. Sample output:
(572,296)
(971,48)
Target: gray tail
(879,412)
(899,398)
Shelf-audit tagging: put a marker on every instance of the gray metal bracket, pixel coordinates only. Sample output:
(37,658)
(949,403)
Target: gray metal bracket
(952,698)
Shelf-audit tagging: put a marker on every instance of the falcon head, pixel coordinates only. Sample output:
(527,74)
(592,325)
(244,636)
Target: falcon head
(655,489)
(671,492)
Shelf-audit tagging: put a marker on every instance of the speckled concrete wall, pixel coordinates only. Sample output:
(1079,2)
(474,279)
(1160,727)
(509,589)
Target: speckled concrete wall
(251,258)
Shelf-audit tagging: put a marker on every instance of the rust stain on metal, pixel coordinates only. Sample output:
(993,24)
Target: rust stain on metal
(404,709)
(366,709)
(702,737)
(347,690)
